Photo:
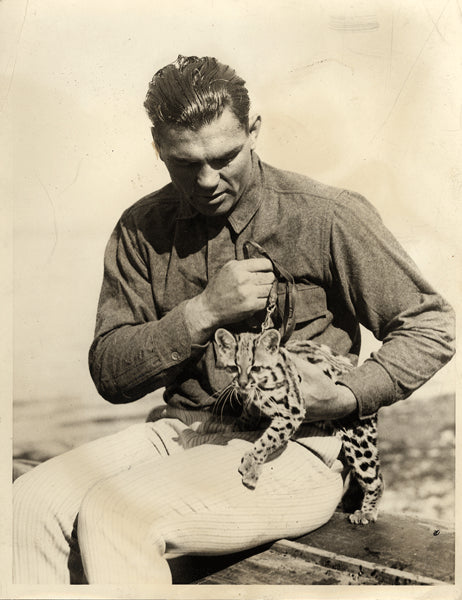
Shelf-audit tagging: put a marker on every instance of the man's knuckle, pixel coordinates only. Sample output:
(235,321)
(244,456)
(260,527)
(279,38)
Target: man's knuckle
(246,291)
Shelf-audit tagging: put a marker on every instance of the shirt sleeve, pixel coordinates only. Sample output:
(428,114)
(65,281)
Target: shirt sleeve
(134,351)
(386,292)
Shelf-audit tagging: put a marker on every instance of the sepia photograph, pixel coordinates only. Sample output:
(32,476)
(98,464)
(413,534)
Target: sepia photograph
(232,264)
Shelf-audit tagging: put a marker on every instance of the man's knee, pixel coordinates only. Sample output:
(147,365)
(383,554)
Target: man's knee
(31,494)
(110,507)
(33,504)
(96,508)
(112,529)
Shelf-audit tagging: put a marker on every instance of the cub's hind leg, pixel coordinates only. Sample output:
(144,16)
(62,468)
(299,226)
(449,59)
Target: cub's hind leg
(361,453)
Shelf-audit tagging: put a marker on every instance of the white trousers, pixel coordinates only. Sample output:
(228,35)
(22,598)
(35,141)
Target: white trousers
(164,489)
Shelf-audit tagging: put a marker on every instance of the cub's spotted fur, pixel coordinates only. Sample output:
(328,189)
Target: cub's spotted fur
(267,383)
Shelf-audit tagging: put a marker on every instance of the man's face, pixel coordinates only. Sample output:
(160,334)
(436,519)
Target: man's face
(211,166)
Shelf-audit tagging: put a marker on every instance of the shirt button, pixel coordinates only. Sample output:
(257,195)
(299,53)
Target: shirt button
(175,356)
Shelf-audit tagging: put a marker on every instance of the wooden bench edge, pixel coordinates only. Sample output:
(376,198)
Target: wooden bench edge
(325,558)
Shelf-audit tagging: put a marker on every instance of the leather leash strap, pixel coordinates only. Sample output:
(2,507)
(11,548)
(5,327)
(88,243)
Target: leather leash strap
(283,277)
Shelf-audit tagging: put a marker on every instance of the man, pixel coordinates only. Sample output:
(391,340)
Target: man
(175,271)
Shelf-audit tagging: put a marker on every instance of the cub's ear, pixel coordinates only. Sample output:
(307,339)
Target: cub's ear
(224,340)
(269,341)
(225,348)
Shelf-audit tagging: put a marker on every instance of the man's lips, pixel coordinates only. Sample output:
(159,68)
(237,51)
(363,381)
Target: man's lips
(209,198)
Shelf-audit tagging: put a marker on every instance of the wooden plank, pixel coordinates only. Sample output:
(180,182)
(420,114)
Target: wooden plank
(363,568)
(276,567)
(292,563)
(398,542)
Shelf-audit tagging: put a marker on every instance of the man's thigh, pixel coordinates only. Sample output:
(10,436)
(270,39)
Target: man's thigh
(194,501)
(60,483)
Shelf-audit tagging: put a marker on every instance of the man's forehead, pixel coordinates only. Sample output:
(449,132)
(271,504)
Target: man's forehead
(222,136)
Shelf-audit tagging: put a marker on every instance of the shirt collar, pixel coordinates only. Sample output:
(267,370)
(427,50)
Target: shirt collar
(245,208)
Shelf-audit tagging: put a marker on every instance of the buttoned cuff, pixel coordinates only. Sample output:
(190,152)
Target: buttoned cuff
(372,387)
(172,339)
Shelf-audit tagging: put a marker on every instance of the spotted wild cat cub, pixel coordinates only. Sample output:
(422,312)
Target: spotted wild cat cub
(267,383)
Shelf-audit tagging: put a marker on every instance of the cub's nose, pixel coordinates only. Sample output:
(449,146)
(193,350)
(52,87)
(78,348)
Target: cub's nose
(243,381)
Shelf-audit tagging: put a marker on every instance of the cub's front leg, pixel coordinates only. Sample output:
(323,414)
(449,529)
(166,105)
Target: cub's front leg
(249,419)
(273,438)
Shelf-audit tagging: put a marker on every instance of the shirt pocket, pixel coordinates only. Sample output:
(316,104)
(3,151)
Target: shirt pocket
(312,316)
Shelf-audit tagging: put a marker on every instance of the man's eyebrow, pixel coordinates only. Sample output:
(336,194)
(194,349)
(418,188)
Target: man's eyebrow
(229,154)
(181,159)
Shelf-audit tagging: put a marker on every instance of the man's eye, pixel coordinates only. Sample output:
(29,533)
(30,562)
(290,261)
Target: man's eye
(222,162)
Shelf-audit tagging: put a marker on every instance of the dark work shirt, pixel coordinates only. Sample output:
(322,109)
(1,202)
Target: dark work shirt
(348,270)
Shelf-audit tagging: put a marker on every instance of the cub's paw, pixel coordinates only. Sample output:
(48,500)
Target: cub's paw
(363,517)
(250,470)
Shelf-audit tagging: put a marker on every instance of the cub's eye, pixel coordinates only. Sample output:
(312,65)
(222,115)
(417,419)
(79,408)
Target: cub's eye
(256,369)
(230,369)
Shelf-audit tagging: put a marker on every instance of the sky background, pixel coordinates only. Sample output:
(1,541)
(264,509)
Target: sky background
(363,95)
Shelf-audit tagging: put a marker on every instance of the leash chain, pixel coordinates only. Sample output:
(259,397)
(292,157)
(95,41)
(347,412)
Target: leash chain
(282,276)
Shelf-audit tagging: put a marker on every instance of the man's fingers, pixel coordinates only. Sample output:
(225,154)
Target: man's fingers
(308,371)
(257,264)
(265,278)
(262,291)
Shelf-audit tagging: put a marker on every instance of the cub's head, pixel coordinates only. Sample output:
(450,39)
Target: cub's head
(247,356)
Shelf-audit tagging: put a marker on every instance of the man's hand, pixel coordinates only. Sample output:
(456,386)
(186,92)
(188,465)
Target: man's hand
(324,400)
(236,292)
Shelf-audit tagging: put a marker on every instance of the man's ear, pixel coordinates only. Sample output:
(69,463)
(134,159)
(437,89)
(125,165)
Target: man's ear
(156,144)
(254,129)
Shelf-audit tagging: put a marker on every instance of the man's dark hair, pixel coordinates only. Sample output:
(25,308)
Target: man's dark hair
(192,92)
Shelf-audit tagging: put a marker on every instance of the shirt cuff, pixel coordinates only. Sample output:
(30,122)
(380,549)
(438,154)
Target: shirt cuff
(372,387)
(172,340)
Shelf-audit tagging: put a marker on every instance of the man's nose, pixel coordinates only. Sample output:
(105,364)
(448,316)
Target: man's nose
(208,177)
